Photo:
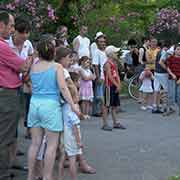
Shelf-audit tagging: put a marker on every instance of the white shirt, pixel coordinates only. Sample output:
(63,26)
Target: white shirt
(93,49)
(100,58)
(84,46)
(66,74)
(27,48)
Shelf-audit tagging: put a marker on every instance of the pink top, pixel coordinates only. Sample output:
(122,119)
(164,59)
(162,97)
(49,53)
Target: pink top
(10,64)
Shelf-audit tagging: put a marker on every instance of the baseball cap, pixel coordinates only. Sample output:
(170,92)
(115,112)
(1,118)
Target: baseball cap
(98,34)
(111,49)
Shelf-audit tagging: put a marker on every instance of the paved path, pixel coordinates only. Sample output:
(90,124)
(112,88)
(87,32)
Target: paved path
(148,150)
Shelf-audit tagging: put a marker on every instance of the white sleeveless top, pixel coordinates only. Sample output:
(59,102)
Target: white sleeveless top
(84,46)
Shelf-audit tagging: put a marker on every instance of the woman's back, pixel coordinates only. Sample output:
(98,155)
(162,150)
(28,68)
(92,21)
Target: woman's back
(44,80)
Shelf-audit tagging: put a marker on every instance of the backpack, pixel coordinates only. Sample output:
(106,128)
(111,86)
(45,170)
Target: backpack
(144,54)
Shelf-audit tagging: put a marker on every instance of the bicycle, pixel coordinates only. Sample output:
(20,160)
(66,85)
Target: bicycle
(134,84)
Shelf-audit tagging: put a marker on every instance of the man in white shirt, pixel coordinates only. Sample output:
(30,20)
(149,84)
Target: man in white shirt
(98,61)
(81,44)
(93,46)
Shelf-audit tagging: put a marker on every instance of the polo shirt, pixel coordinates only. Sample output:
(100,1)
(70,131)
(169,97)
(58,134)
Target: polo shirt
(26,50)
(10,64)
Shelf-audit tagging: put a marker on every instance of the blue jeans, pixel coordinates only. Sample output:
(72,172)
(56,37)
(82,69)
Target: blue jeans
(173,93)
(98,98)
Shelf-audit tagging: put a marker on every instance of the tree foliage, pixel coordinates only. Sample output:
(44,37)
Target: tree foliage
(119,19)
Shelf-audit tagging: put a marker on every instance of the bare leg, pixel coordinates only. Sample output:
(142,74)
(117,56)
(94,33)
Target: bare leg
(61,166)
(36,134)
(149,99)
(145,103)
(72,167)
(50,155)
(104,115)
(87,107)
(39,168)
(90,108)
(156,100)
(113,113)
(62,156)
(83,107)
(140,99)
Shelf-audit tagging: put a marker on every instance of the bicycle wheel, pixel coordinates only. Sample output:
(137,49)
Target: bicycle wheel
(133,87)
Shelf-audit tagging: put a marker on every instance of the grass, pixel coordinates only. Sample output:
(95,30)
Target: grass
(124,89)
(174,177)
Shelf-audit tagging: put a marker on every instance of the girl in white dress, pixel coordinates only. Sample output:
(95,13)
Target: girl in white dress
(146,88)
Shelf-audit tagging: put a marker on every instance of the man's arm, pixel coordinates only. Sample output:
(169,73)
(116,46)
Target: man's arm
(162,64)
(141,54)
(10,59)
(162,61)
(95,63)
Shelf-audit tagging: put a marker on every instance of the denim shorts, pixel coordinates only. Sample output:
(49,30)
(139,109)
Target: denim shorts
(45,113)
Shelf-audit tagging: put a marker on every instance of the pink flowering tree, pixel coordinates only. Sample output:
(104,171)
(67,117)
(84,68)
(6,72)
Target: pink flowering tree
(41,14)
(166,24)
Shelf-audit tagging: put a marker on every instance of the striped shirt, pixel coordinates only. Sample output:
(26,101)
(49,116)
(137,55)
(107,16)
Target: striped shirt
(173,64)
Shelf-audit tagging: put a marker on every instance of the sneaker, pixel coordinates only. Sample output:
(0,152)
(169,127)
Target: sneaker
(157,111)
(149,107)
(106,128)
(143,108)
(119,126)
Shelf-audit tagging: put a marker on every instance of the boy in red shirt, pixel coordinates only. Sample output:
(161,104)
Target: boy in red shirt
(112,88)
(173,68)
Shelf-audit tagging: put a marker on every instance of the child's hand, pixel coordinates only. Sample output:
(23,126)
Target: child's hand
(82,116)
(174,76)
(75,109)
(118,89)
(178,82)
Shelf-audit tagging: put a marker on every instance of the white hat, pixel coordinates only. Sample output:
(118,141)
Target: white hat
(98,34)
(111,49)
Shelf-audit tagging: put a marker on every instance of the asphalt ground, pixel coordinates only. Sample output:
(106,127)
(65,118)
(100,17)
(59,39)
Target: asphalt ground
(148,149)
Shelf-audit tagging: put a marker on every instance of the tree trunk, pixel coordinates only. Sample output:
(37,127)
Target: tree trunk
(61,3)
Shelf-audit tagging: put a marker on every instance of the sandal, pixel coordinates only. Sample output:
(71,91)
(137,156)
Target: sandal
(88,170)
(118,126)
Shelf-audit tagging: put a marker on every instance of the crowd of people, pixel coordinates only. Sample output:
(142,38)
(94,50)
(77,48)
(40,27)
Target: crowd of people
(158,65)
(62,86)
